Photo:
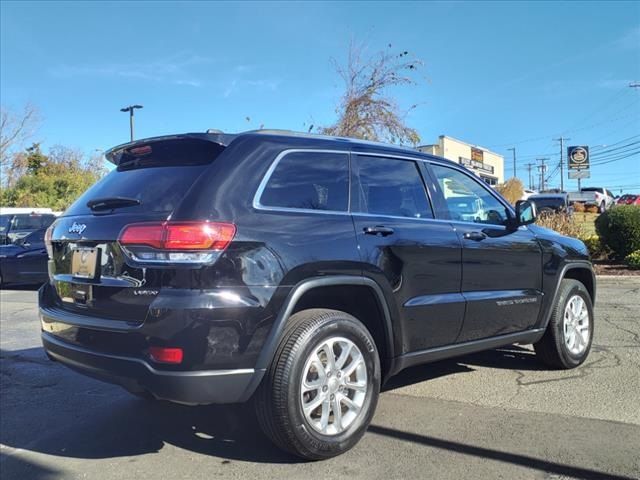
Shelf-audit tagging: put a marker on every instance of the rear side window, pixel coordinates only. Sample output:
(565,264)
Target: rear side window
(387,186)
(157,175)
(310,181)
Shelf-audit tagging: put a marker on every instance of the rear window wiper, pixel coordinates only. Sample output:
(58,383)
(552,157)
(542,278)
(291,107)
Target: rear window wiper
(112,202)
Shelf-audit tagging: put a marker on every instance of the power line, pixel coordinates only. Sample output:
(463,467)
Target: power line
(574,128)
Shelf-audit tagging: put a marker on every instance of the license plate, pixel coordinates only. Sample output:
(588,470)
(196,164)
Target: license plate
(84,262)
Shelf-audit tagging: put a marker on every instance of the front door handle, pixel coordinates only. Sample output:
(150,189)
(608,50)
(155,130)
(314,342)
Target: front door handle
(378,230)
(477,236)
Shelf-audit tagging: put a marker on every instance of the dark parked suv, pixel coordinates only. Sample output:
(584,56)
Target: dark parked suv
(301,272)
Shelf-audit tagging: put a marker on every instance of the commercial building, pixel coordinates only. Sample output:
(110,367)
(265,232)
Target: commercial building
(488,165)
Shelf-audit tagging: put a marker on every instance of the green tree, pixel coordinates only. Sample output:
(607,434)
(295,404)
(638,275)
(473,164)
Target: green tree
(54,180)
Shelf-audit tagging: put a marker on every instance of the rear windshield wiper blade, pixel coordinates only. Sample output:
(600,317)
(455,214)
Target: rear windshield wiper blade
(112,202)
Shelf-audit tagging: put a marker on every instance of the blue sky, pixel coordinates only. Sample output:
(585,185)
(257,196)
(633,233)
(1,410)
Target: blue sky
(497,74)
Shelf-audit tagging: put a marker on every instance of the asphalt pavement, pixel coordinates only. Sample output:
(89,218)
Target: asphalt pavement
(497,414)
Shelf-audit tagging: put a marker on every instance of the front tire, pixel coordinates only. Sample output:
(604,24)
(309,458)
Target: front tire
(567,341)
(320,393)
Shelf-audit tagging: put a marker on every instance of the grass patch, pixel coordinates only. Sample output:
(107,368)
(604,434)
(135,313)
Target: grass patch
(587,222)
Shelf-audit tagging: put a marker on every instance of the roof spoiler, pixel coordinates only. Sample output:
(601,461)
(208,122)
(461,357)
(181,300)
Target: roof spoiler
(114,154)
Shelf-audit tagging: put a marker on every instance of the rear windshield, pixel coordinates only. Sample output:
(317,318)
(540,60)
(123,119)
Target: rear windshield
(26,221)
(548,202)
(591,189)
(158,175)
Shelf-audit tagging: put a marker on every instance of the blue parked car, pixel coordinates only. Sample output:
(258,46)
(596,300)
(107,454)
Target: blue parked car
(24,261)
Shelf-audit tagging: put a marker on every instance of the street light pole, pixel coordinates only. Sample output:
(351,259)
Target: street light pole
(130,109)
(514,160)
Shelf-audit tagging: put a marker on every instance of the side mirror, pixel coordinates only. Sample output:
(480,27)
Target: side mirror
(525,213)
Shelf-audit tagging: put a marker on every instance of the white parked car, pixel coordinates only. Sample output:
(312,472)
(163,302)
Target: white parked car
(598,196)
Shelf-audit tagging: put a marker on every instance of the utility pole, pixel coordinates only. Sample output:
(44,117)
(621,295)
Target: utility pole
(130,109)
(561,140)
(529,165)
(542,168)
(514,160)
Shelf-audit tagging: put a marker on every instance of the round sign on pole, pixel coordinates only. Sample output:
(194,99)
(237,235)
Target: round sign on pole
(578,157)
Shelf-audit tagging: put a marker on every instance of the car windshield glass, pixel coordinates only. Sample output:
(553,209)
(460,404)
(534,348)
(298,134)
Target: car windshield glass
(4,222)
(590,189)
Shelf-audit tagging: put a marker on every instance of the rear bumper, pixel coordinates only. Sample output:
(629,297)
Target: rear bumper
(136,375)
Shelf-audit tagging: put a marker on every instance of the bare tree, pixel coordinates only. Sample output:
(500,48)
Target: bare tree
(367,110)
(16,129)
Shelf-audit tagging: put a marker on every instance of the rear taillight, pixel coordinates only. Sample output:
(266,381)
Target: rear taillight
(176,242)
(47,241)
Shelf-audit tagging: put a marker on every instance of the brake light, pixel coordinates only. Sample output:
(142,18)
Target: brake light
(48,234)
(176,242)
(166,355)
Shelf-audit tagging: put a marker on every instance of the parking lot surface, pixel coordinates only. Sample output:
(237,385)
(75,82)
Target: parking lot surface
(498,414)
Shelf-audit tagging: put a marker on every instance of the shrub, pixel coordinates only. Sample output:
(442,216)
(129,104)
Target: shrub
(633,259)
(578,207)
(619,229)
(512,190)
(596,249)
(592,209)
(562,223)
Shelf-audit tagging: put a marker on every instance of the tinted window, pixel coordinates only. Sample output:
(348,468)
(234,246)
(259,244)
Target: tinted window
(390,187)
(31,222)
(159,176)
(467,199)
(549,202)
(309,180)
(4,222)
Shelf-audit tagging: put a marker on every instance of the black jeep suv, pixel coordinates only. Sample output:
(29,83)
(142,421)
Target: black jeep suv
(301,272)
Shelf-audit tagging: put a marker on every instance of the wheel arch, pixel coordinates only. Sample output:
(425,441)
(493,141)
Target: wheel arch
(330,292)
(581,271)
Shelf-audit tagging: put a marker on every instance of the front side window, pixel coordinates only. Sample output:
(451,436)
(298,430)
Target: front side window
(468,200)
(310,181)
(388,186)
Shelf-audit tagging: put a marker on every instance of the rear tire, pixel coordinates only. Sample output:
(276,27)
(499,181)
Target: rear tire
(567,341)
(321,390)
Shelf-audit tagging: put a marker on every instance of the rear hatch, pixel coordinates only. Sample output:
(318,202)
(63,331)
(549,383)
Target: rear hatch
(92,273)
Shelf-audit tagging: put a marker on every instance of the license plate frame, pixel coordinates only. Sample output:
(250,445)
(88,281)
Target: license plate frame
(85,262)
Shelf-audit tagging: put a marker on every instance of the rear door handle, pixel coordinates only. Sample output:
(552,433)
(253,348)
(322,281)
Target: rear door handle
(378,230)
(477,236)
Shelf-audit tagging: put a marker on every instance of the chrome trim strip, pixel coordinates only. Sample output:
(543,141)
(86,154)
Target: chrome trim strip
(435,299)
(198,373)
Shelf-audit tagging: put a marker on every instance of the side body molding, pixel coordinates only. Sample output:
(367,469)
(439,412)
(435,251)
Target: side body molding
(271,344)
